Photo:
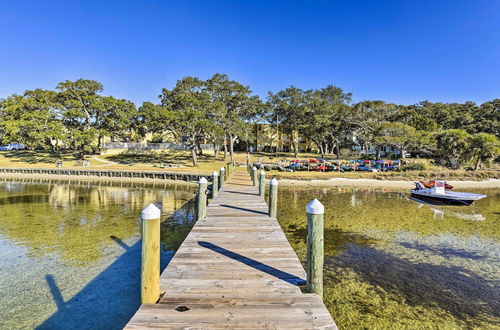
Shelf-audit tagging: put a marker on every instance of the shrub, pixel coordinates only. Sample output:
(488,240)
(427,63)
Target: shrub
(414,167)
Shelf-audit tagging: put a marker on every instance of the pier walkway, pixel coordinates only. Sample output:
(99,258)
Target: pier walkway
(236,270)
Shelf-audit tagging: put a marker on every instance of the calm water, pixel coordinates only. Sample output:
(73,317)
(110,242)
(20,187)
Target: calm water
(69,253)
(70,257)
(393,263)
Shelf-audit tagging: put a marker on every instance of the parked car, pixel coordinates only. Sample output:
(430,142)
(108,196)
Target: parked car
(13,146)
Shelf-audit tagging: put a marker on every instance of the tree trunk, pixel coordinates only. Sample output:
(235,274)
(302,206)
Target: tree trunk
(231,147)
(200,151)
(322,150)
(294,146)
(225,147)
(377,155)
(337,151)
(51,145)
(402,152)
(478,163)
(216,150)
(194,156)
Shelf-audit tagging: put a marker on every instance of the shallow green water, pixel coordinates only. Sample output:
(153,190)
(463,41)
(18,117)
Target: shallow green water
(69,253)
(70,258)
(393,263)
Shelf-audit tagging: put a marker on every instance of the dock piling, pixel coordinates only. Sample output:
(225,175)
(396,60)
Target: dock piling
(315,247)
(202,198)
(262,183)
(215,184)
(222,176)
(273,197)
(150,264)
(254,176)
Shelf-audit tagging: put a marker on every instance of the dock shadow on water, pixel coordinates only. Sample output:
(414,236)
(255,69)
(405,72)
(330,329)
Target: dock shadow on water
(391,264)
(113,296)
(455,290)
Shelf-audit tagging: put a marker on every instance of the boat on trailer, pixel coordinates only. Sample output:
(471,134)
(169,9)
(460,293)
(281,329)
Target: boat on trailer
(439,195)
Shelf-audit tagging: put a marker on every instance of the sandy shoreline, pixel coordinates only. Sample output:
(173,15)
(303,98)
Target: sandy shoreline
(333,182)
(344,182)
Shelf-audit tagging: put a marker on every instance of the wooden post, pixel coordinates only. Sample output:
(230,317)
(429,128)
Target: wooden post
(215,184)
(254,176)
(202,198)
(150,265)
(262,183)
(315,247)
(222,176)
(273,197)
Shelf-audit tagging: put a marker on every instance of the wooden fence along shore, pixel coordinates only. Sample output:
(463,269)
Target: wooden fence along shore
(106,173)
(235,269)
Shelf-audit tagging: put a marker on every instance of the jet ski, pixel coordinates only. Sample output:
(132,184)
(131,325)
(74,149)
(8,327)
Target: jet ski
(439,195)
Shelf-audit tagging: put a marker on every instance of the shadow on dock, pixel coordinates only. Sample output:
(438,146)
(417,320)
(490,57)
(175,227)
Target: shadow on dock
(242,209)
(241,193)
(284,276)
(113,296)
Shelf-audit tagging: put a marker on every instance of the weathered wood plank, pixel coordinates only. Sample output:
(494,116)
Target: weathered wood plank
(237,270)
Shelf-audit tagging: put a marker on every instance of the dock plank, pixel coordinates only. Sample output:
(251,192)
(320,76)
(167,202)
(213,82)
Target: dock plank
(235,270)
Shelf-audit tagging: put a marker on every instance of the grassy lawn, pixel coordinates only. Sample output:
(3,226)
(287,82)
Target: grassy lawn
(147,161)
(207,163)
(177,160)
(38,159)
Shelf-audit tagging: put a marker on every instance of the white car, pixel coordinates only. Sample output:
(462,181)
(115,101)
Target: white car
(13,146)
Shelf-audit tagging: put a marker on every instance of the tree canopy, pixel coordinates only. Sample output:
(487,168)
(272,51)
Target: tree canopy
(221,111)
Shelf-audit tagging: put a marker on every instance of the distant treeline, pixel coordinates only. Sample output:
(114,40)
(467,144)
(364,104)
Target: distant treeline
(219,110)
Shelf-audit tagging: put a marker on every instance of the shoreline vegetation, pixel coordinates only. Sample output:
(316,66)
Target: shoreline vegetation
(179,161)
(313,183)
(229,116)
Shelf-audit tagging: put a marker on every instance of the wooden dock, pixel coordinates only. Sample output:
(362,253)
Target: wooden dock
(236,270)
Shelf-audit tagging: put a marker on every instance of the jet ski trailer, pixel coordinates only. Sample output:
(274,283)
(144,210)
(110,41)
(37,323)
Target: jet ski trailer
(438,194)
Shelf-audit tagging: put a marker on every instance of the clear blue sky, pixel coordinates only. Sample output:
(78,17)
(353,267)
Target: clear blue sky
(397,51)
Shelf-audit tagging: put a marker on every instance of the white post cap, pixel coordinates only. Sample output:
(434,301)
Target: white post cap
(215,173)
(273,182)
(254,168)
(151,212)
(222,168)
(315,207)
(203,180)
(262,172)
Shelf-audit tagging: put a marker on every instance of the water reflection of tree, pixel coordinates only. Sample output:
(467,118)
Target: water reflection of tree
(76,221)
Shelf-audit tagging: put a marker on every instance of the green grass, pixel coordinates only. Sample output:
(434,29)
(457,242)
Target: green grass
(396,175)
(45,159)
(207,163)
